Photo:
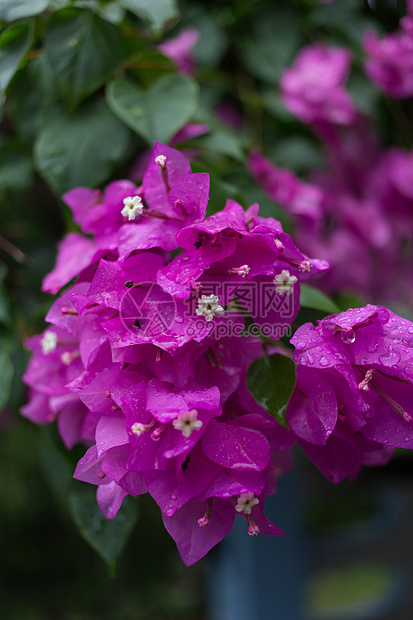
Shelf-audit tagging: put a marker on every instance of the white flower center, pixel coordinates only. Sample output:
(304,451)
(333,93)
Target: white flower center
(241,271)
(187,422)
(132,207)
(284,282)
(66,358)
(209,307)
(245,503)
(305,265)
(161,160)
(48,342)
(364,385)
(138,428)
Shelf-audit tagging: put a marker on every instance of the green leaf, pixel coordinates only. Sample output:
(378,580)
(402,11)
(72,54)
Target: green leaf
(313,298)
(16,167)
(83,51)
(111,12)
(4,302)
(149,65)
(219,192)
(271,380)
(33,97)
(155,12)
(11,10)
(57,468)
(213,38)
(364,94)
(81,150)
(107,536)
(297,152)
(273,45)
(220,139)
(14,43)
(157,112)
(6,372)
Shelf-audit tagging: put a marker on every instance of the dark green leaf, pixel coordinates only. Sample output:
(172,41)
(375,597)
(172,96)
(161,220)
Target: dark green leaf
(82,149)
(213,39)
(345,18)
(155,12)
(83,51)
(10,10)
(220,139)
(111,11)
(14,43)
(107,536)
(4,302)
(33,97)
(365,95)
(6,372)
(313,298)
(149,65)
(16,167)
(275,41)
(296,152)
(271,380)
(56,466)
(219,192)
(157,112)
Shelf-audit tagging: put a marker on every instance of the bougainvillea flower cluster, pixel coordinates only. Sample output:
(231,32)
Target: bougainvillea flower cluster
(313,89)
(352,404)
(356,211)
(389,62)
(145,356)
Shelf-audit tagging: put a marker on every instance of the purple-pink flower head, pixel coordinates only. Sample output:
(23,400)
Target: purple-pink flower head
(389,62)
(172,196)
(354,377)
(126,218)
(313,89)
(179,49)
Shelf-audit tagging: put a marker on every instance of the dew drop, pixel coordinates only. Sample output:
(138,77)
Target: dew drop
(169,512)
(173,497)
(407,438)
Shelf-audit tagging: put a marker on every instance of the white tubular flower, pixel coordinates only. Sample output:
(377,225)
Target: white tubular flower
(245,503)
(133,207)
(209,307)
(284,282)
(187,422)
(48,342)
